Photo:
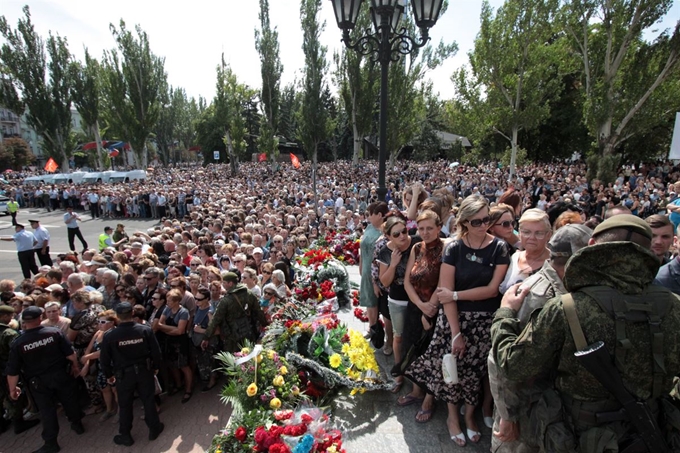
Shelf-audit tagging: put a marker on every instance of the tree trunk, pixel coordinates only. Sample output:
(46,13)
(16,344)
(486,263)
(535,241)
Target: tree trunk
(355,132)
(100,148)
(314,168)
(513,152)
(230,151)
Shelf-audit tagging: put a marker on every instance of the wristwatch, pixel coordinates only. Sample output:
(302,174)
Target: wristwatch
(455,296)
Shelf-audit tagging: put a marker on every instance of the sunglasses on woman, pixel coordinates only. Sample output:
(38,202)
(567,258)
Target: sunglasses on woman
(396,234)
(504,224)
(478,222)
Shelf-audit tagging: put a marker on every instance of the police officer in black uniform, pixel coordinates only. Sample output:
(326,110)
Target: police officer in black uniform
(43,354)
(130,357)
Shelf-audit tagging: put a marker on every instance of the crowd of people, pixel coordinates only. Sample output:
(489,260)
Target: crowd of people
(437,256)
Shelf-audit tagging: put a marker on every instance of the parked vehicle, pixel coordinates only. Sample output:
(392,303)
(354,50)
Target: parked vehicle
(127,176)
(39,180)
(97,177)
(3,204)
(69,178)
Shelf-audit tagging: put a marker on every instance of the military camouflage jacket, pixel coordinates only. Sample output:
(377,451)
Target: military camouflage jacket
(511,397)
(546,343)
(7,335)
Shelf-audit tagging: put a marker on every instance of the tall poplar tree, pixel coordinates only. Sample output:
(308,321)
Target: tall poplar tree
(267,44)
(39,86)
(86,93)
(314,126)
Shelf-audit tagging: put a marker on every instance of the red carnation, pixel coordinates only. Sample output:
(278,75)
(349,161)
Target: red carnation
(279,448)
(306,418)
(241,434)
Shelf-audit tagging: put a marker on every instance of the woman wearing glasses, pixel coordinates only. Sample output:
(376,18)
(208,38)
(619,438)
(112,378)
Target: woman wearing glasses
(534,233)
(503,225)
(392,259)
(107,321)
(472,269)
(202,319)
(174,323)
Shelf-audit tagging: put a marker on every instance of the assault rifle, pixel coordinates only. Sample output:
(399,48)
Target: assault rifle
(597,360)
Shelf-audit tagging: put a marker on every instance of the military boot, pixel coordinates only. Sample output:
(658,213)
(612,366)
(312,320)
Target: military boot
(22,425)
(49,447)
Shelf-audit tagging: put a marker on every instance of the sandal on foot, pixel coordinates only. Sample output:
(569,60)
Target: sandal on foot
(459,439)
(472,434)
(407,400)
(397,386)
(423,416)
(186,397)
(488,421)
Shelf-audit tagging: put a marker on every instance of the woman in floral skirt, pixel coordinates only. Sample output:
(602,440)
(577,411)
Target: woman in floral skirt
(472,269)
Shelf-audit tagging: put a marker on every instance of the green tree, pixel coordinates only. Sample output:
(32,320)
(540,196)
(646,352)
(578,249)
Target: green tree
(511,58)
(314,126)
(267,44)
(15,153)
(427,145)
(406,90)
(26,70)
(626,79)
(290,105)
(145,81)
(86,94)
(231,102)
(119,117)
(357,78)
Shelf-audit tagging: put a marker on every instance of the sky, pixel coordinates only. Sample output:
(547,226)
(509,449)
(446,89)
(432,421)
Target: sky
(192,35)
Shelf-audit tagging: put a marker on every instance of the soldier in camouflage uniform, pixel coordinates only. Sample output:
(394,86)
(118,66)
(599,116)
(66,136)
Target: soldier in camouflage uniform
(15,409)
(512,425)
(618,257)
(238,316)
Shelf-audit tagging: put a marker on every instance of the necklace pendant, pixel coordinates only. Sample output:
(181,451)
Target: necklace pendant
(473,257)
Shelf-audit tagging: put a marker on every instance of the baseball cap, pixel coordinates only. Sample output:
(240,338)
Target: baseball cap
(31,313)
(258,250)
(628,222)
(54,287)
(230,277)
(569,239)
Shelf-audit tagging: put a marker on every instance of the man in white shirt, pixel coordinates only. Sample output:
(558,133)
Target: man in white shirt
(93,199)
(42,247)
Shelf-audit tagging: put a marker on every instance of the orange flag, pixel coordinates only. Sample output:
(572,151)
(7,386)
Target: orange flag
(295,160)
(51,165)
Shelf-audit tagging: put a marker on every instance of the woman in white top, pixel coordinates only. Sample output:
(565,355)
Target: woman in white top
(534,234)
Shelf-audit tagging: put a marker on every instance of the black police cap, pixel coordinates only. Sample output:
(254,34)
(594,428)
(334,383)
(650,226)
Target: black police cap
(124,308)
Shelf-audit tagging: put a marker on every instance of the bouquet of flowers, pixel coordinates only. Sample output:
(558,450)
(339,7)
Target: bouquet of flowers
(260,378)
(304,430)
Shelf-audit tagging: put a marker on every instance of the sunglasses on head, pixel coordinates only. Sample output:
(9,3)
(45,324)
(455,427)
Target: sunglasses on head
(478,222)
(396,234)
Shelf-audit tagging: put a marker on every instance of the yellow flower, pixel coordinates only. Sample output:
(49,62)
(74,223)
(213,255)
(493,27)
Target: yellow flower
(245,351)
(354,392)
(278,381)
(332,449)
(259,358)
(275,403)
(335,360)
(283,370)
(271,353)
(295,390)
(252,389)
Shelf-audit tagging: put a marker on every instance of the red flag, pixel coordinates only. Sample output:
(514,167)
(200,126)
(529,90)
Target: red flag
(262,157)
(295,160)
(51,165)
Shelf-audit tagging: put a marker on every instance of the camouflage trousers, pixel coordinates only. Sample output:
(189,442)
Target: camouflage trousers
(205,362)
(13,410)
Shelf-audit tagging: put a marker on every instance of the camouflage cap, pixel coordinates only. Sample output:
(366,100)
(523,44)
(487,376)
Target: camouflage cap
(628,222)
(569,239)
(230,277)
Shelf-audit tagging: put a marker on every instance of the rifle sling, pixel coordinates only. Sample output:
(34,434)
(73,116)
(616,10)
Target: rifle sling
(574,324)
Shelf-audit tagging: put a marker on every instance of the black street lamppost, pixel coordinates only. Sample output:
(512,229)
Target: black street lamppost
(387,43)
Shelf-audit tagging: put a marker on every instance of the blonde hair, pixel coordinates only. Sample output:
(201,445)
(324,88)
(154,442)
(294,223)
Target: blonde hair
(468,208)
(535,215)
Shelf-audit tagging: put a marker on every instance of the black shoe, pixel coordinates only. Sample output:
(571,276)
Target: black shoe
(378,335)
(153,434)
(24,425)
(4,424)
(78,427)
(49,447)
(122,439)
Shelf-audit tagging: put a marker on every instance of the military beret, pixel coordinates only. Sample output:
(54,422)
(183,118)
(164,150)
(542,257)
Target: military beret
(230,277)
(31,313)
(627,222)
(569,239)
(123,308)
(6,309)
